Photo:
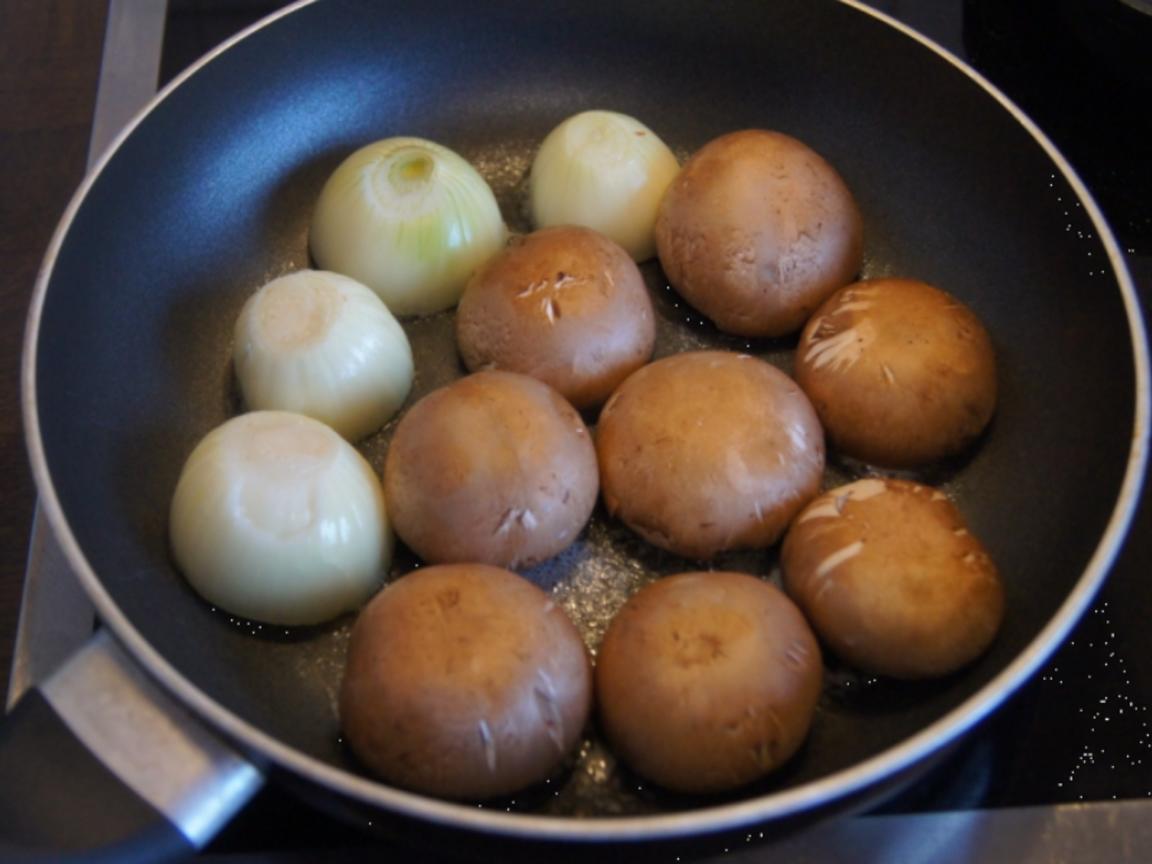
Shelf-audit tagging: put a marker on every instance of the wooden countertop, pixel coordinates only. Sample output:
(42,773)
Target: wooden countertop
(49,61)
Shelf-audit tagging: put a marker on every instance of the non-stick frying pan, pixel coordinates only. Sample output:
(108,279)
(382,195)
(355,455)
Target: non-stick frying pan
(209,194)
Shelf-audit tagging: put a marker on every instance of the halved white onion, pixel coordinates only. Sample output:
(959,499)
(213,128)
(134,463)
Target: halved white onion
(278,519)
(324,345)
(410,219)
(606,171)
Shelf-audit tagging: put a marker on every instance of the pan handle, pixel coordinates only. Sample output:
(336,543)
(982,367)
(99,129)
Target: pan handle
(98,764)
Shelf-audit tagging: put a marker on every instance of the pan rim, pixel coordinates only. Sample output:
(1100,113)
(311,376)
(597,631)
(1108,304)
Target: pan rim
(838,786)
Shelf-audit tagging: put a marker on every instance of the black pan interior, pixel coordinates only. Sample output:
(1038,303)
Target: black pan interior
(211,196)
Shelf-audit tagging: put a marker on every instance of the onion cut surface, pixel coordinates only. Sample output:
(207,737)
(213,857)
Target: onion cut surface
(606,171)
(324,345)
(410,219)
(278,519)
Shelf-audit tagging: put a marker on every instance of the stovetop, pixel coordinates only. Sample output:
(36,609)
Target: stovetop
(1081,731)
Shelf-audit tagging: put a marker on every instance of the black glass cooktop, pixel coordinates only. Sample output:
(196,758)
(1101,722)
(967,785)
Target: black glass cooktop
(1082,729)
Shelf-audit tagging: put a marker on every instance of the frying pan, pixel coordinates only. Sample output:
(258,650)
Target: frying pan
(208,195)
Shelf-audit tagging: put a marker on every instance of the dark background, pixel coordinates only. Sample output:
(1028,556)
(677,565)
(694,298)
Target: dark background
(49,61)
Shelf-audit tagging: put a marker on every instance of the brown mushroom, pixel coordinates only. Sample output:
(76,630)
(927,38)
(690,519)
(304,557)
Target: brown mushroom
(892,580)
(565,305)
(707,681)
(464,681)
(706,451)
(496,467)
(756,230)
(901,373)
